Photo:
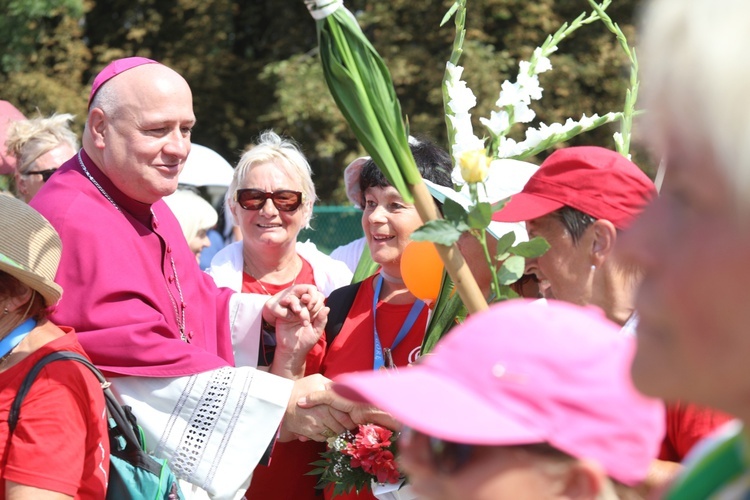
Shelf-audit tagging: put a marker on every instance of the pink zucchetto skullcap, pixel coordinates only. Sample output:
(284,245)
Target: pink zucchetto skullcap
(115,68)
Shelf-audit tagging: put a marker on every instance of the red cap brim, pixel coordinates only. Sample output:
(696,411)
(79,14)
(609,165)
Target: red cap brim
(525,206)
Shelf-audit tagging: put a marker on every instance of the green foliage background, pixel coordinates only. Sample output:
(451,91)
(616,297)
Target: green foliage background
(253,64)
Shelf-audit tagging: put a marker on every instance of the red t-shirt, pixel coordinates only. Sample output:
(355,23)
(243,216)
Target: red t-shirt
(353,348)
(284,478)
(61,441)
(686,425)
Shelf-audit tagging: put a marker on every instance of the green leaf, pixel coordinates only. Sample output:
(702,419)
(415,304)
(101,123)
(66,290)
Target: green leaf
(531,249)
(480,216)
(448,308)
(498,205)
(504,244)
(511,270)
(506,293)
(365,267)
(449,14)
(454,211)
(441,231)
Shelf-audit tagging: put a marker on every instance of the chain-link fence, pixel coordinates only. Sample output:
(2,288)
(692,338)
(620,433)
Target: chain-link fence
(333,226)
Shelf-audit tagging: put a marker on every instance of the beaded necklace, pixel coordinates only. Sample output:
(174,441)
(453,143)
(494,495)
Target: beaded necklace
(179,310)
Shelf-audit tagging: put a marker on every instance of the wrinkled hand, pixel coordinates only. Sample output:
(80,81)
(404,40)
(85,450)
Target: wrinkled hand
(348,413)
(297,303)
(316,423)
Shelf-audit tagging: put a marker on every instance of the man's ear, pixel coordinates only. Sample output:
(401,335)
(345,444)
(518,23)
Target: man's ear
(604,240)
(585,480)
(96,126)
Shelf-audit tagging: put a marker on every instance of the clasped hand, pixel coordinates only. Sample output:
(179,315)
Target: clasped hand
(316,412)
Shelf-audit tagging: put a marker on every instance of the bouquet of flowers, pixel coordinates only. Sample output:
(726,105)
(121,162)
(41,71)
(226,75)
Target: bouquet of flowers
(353,461)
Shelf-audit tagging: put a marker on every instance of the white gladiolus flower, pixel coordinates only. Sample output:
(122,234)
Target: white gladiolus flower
(511,94)
(508,147)
(498,122)
(454,72)
(618,139)
(586,121)
(530,85)
(542,63)
(462,98)
(522,113)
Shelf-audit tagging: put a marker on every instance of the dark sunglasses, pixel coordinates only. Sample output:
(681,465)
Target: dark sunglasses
(446,456)
(46,174)
(284,200)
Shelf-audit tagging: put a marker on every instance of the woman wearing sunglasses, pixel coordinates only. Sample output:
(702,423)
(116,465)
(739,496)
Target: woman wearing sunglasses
(523,401)
(40,146)
(271,197)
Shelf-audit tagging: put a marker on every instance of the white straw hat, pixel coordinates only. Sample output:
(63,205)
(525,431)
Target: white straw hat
(30,248)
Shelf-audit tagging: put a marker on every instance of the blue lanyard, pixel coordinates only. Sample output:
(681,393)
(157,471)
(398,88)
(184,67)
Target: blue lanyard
(15,337)
(378,361)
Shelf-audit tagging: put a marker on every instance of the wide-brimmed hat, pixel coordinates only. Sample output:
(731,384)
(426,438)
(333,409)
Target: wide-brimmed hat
(596,181)
(525,373)
(30,248)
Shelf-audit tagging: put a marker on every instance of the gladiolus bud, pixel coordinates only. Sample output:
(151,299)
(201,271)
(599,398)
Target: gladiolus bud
(474,165)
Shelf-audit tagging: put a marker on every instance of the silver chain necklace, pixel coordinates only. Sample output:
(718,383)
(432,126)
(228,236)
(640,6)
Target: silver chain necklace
(247,268)
(179,316)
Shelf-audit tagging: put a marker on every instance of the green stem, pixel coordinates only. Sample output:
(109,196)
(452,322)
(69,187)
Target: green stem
(458,42)
(631,96)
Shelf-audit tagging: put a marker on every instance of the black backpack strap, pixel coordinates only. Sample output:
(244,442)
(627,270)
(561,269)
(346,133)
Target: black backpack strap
(340,302)
(15,408)
(124,424)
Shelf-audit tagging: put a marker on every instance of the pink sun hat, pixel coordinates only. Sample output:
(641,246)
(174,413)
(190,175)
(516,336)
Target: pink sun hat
(525,372)
(113,69)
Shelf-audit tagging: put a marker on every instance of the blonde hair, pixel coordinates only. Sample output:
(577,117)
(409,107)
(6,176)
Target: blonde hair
(30,139)
(271,148)
(695,78)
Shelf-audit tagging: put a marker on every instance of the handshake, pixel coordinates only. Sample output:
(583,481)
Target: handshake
(314,411)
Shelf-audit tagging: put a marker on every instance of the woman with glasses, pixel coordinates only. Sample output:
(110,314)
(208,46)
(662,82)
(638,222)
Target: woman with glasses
(40,146)
(524,401)
(271,197)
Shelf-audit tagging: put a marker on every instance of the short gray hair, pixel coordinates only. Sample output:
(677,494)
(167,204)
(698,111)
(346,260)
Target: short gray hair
(270,147)
(696,78)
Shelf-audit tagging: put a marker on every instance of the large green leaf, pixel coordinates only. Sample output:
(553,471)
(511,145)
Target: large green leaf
(511,270)
(440,231)
(531,249)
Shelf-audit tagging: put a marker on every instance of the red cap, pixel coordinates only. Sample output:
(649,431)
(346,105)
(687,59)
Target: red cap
(115,68)
(597,181)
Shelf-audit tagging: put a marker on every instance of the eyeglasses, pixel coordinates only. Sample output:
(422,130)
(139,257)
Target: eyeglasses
(446,456)
(254,199)
(46,174)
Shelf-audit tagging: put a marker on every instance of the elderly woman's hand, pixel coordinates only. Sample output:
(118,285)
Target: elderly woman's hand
(300,301)
(294,341)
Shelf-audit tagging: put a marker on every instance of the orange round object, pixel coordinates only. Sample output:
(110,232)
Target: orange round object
(422,270)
